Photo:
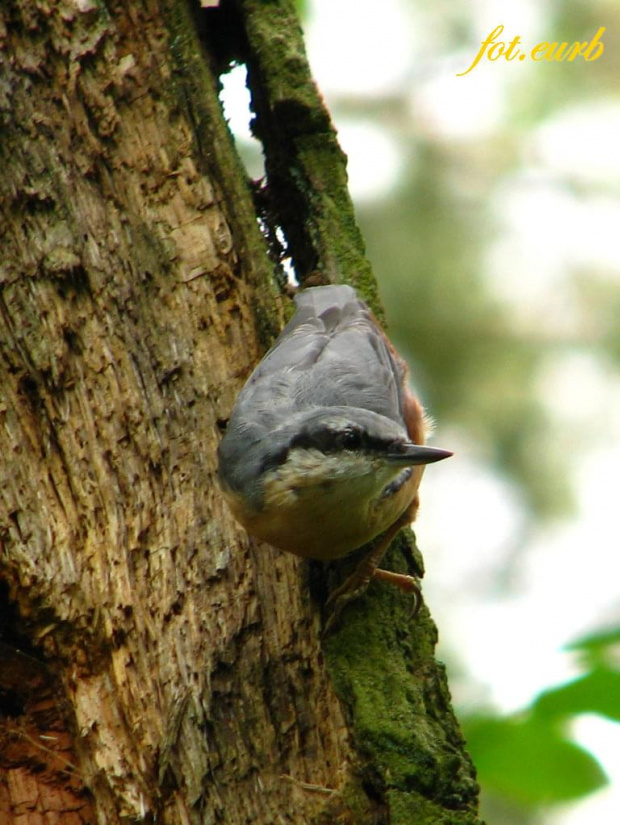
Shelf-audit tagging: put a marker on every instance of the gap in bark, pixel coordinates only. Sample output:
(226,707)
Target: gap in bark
(12,633)
(221,30)
(236,101)
(38,770)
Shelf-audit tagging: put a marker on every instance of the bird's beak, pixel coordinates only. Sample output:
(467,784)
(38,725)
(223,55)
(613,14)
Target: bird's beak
(410,454)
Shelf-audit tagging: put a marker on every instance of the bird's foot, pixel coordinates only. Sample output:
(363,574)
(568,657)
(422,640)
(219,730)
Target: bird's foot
(352,588)
(356,584)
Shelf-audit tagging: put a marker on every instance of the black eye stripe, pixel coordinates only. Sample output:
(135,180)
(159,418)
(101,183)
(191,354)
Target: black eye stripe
(331,440)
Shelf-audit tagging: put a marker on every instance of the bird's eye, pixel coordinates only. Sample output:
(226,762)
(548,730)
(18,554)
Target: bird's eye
(349,439)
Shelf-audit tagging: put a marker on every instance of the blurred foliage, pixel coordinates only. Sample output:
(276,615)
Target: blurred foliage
(528,758)
(530,761)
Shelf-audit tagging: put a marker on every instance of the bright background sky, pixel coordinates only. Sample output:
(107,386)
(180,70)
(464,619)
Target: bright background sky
(507,597)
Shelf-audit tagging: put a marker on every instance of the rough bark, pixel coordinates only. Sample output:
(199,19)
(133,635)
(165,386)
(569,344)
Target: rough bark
(156,663)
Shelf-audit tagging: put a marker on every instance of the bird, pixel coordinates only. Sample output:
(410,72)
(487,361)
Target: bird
(325,448)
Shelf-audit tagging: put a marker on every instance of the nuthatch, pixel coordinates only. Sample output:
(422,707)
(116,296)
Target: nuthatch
(324,449)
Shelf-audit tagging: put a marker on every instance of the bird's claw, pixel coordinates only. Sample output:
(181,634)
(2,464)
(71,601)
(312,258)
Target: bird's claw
(408,584)
(356,585)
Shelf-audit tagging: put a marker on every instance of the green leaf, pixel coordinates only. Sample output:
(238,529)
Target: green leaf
(596,692)
(529,761)
(599,648)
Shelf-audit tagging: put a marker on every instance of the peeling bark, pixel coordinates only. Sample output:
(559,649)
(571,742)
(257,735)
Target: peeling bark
(157,664)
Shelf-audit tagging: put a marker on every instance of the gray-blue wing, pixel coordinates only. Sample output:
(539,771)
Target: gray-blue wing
(332,353)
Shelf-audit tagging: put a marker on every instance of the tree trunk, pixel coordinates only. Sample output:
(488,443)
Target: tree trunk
(155,663)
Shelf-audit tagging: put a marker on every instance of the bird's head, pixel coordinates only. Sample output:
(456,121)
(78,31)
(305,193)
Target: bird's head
(325,447)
